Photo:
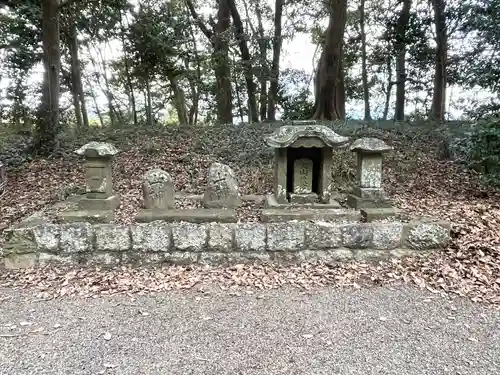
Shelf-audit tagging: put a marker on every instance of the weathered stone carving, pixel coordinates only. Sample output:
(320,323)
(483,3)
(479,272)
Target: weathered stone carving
(222,188)
(158,190)
(303,176)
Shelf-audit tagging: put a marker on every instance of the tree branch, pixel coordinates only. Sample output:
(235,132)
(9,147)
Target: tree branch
(64,4)
(209,34)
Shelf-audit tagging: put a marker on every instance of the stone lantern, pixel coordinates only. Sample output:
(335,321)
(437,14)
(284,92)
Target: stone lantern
(369,192)
(303,161)
(98,176)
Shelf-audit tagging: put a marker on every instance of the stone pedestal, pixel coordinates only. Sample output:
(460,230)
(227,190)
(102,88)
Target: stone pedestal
(369,192)
(99,201)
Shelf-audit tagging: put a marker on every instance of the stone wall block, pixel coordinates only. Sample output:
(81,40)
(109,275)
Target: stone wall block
(19,241)
(387,236)
(323,235)
(47,237)
(76,237)
(152,237)
(213,258)
(104,259)
(250,237)
(357,236)
(248,257)
(286,236)
(189,236)
(45,259)
(16,261)
(221,237)
(426,235)
(111,237)
(181,257)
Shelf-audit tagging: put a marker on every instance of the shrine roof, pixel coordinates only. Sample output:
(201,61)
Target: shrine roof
(286,135)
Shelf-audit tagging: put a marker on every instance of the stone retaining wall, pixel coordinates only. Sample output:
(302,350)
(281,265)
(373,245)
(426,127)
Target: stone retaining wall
(216,243)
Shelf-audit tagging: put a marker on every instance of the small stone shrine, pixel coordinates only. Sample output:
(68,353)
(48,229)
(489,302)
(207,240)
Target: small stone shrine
(303,163)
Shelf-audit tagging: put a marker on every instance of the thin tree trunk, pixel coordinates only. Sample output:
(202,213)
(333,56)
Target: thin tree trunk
(263,65)
(108,93)
(220,58)
(179,99)
(275,64)
(195,93)
(76,76)
(439,91)
(130,86)
(253,115)
(364,72)
(238,97)
(329,83)
(404,18)
(76,102)
(149,105)
(388,91)
(264,68)
(48,125)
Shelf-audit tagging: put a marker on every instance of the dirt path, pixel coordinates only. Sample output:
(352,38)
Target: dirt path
(398,330)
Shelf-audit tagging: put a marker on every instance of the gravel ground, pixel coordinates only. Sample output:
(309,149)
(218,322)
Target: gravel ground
(383,330)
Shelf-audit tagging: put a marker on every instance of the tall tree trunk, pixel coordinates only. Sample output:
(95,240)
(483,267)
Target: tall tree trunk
(76,75)
(364,72)
(253,115)
(329,83)
(128,77)
(439,91)
(388,90)
(179,99)
(76,101)
(48,126)
(221,60)
(220,57)
(264,69)
(238,96)
(275,64)
(402,26)
(195,92)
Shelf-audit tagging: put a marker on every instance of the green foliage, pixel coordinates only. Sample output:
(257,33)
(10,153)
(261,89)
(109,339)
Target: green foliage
(482,145)
(294,96)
